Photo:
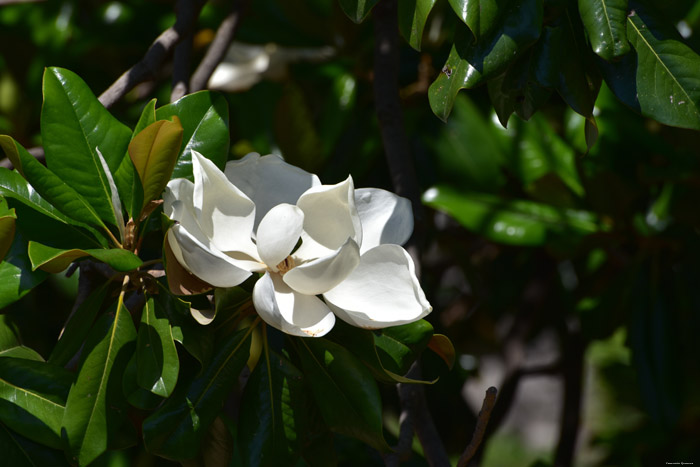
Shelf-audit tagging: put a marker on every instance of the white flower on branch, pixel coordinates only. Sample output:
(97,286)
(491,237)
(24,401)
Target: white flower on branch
(307,240)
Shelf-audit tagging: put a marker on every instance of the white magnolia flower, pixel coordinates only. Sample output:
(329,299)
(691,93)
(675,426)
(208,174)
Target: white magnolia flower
(307,240)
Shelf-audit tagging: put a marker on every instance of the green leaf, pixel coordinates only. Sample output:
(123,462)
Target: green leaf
(7,227)
(40,216)
(563,64)
(11,344)
(16,275)
(345,391)
(204,119)
(472,61)
(77,327)
(362,344)
(136,395)
(176,429)
(517,222)
(73,125)
(668,74)
(412,17)
(400,346)
(156,355)
(357,10)
(95,406)
(268,425)
(55,260)
(127,179)
(18,451)
(605,22)
(480,15)
(33,397)
(49,185)
(154,152)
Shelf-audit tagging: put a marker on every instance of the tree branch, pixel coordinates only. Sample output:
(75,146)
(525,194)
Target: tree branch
(217,49)
(183,53)
(480,429)
(573,350)
(152,61)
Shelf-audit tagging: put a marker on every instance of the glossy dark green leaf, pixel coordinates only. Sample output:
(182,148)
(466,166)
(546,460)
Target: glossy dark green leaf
(136,395)
(95,405)
(39,216)
(16,275)
(562,65)
(77,327)
(400,346)
(345,391)
(516,222)
(412,17)
(7,227)
(55,260)
(357,10)
(668,74)
(468,152)
(33,397)
(204,119)
(362,344)
(472,62)
(11,344)
(518,89)
(50,186)
(127,179)
(156,355)
(176,429)
(18,451)
(154,152)
(480,15)
(268,425)
(74,124)
(605,22)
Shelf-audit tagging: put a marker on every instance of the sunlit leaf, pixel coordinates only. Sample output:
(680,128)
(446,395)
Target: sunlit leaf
(16,275)
(55,260)
(156,356)
(605,22)
(73,125)
(412,17)
(357,10)
(95,405)
(7,227)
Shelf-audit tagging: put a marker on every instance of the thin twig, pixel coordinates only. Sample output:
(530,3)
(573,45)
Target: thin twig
(154,58)
(573,350)
(481,424)
(183,52)
(217,49)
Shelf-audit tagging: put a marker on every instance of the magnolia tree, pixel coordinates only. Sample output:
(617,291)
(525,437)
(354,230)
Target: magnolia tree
(238,307)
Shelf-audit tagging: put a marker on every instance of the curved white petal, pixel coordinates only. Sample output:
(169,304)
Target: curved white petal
(178,190)
(204,260)
(290,311)
(382,291)
(385,217)
(330,218)
(269,181)
(279,233)
(321,275)
(225,213)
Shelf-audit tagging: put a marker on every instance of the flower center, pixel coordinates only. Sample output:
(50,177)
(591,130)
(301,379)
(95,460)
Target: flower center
(286,265)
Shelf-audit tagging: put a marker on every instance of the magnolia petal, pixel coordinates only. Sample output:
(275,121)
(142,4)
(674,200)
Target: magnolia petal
(321,275)
(289,311)
(385,217)
(269,181)
(330,218)
(279,233)
(179,190)
(204,261)
(225,213)
(382,291)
